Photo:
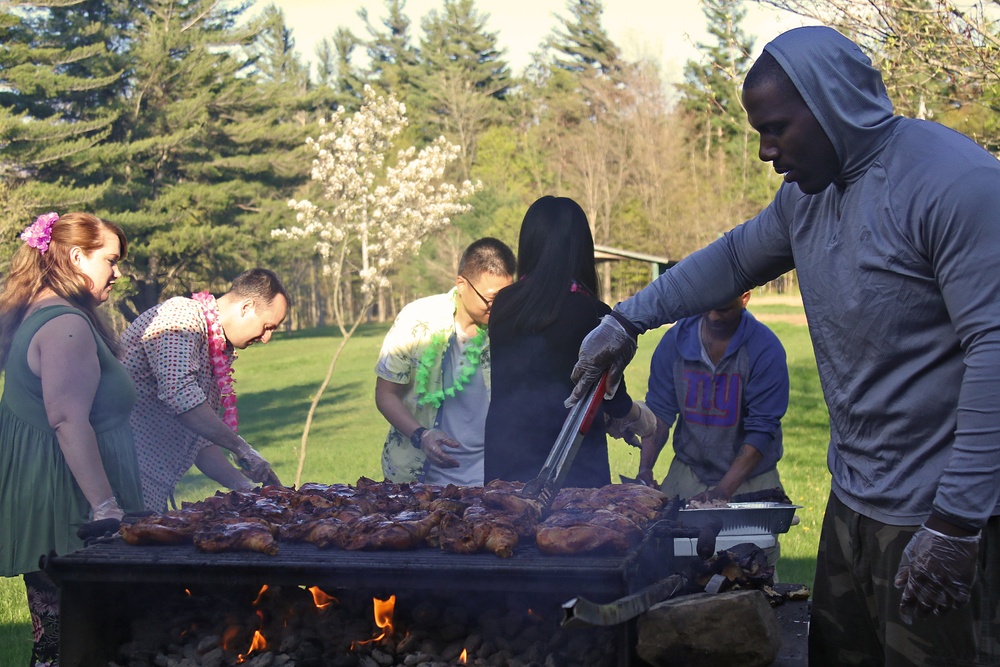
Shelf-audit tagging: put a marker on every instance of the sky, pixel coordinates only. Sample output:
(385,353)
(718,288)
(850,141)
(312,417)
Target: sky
(668,29)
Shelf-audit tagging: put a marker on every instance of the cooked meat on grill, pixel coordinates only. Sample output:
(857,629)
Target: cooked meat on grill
(512,502)
(457,536)
(406,530)
(499,534)
(383,515)
(169,528)
(580,530)
(249,534)
(328,532)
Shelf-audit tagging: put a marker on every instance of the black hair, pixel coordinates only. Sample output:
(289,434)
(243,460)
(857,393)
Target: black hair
(555,249)
(767,70)
(259,284)
(487,256)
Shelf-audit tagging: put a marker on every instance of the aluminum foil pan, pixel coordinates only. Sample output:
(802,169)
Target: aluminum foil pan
(743,518)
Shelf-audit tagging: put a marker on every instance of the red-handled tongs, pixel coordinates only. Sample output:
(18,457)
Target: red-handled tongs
(577,424)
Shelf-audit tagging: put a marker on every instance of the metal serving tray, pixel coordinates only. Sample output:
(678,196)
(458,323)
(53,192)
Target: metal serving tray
(743,518)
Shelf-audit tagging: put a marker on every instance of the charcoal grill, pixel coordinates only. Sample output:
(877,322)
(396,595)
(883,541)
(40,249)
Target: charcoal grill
(104,585)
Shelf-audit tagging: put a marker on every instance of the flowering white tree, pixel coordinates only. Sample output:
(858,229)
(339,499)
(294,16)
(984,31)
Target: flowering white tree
(379,212)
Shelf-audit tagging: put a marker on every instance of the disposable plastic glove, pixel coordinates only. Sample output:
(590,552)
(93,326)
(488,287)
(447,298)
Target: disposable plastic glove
(640,422)
(936,573)
(433,442)
(254,465)
(108,509)
(607,348)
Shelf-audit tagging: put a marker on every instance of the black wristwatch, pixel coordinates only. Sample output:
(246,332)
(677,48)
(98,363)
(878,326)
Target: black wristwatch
(415,436)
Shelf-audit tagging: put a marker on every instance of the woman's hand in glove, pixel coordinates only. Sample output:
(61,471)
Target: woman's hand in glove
(936,573)
(640,422)
(608,347)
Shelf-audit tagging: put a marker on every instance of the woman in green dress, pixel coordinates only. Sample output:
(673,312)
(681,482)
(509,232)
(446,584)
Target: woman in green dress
(66,452)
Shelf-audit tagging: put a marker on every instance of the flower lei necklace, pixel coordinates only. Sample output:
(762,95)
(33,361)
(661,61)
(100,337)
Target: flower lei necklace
(222,367)
(473,353)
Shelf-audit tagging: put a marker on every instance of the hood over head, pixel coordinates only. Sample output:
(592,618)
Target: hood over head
(842,89)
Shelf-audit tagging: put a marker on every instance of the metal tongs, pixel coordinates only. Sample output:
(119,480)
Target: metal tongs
(577,424)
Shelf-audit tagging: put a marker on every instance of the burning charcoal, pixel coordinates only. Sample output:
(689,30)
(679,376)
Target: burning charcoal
(417,658)
(453,631)
(473,641)
(512,623)
(410,641)
(451,652)
(367,661)
(430,647)
(216,657)
(207,643)
(501,658)
(383,658)
(426,613)
(487,648)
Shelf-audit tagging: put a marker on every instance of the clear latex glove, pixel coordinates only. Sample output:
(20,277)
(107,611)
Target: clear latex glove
(609,347)
(645,477)
(640,422)
(936,573)
(433,442)
(108,509)
(255,466)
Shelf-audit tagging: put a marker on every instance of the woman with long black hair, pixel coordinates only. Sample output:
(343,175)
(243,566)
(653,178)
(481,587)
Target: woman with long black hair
(536,327)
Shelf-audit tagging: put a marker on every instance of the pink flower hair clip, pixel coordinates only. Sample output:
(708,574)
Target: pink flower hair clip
(39,233)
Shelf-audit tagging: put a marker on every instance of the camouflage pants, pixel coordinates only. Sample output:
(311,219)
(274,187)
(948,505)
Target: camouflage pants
(855,607)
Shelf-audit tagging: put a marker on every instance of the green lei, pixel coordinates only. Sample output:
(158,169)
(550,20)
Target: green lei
(473,353)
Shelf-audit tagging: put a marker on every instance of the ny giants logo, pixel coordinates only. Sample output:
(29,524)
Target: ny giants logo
(712,400)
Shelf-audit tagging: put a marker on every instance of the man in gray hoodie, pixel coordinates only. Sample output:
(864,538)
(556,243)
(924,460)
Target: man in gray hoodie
(893,225)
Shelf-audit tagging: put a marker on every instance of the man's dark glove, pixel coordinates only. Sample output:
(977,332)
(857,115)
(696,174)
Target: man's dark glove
(609,347)
(936,573)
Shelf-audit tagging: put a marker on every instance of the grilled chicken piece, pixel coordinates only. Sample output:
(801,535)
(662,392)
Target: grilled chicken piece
(458,536)
(578,539)
(511,502)
(497,532)
(574,531)
(236,535)
(170,528)
(406,530)
(328,532)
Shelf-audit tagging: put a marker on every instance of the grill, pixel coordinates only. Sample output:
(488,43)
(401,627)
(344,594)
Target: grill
(134,577)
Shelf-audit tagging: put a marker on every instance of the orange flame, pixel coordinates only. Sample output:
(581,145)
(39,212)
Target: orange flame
(383,619)
(228,635)
(383,614)
(258,643)
(263,589)
(463,659)
(321,599)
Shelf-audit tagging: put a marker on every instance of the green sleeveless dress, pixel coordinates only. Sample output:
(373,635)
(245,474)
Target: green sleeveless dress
(41,505)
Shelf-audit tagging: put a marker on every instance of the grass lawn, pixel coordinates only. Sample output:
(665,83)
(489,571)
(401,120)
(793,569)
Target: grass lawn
(277,382)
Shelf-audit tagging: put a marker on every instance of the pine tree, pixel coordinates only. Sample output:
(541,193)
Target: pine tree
(208,143)
(711,90)
(59,92)
(392,58)
(461,83)
(584,44)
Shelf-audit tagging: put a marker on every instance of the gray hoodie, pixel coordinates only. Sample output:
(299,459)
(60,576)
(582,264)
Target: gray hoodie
(899,265)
